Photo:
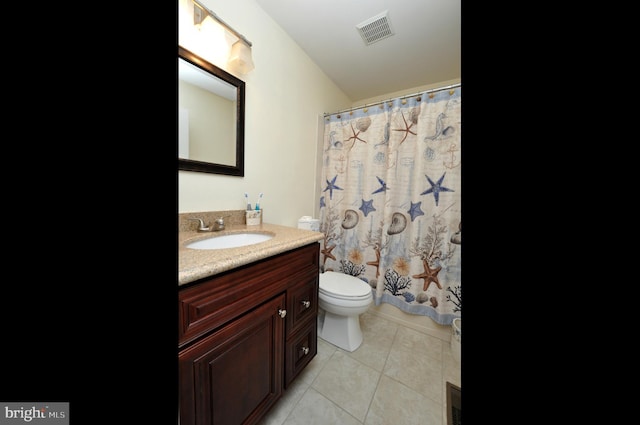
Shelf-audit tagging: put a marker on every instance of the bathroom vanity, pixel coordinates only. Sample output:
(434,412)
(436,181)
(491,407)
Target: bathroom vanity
(247,331)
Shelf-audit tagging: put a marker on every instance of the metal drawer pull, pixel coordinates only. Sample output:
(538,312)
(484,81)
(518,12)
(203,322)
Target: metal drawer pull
(282,313)
(306,304)
(305,350)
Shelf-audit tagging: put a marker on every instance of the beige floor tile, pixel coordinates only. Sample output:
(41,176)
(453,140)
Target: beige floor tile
(415,361)
(451,368)
(311,371)
(378,334)
(408,339)
(284,406)
(397,376)
(396,404)
(316,409)
(348,383)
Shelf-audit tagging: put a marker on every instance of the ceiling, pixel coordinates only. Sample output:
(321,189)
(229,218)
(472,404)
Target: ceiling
(424,50)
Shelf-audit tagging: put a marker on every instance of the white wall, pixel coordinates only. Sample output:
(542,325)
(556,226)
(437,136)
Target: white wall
(285,94)
(286,98)
(404,92)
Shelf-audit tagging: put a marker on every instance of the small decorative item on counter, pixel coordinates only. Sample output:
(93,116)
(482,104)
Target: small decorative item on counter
(254,217)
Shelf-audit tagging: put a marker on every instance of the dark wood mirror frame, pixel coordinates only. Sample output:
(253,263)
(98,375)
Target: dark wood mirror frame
(208,167)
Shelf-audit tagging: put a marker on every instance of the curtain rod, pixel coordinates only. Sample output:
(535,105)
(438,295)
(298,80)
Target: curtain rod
(217,18)
(399,97)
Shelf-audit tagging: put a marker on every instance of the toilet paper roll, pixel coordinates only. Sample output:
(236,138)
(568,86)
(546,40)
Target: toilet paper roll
(308,223)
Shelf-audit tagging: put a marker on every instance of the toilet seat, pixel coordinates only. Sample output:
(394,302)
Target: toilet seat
(343,286)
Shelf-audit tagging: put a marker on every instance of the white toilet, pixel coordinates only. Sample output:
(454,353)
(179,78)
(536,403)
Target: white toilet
(343,298)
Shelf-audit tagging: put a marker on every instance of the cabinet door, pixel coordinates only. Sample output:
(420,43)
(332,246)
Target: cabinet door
(302,301)
(234,375)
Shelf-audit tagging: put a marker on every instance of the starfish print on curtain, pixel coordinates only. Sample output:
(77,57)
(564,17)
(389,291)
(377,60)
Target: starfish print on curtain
(397,222)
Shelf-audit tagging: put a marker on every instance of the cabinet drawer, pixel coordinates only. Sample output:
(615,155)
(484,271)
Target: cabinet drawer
(302,301)
(210,303)
(301,347)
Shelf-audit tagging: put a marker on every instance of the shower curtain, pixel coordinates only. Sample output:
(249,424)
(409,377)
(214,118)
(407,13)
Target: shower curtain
(390,207)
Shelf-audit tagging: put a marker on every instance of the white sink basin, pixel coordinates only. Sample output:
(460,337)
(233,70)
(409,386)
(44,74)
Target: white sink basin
(233,240)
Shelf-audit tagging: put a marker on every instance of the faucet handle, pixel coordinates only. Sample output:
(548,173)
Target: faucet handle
(201,226)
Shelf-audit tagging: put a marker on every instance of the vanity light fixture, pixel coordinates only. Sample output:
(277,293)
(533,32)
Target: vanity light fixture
(240,56)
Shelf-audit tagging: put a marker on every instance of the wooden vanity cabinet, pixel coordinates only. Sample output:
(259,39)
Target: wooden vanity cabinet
(244,335)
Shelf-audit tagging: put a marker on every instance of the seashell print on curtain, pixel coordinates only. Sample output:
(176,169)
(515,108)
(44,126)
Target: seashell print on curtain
(390,208)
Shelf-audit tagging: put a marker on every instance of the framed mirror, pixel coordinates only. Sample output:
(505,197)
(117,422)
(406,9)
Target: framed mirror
(210,117)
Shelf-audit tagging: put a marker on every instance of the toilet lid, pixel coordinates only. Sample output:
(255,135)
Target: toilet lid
(343,285)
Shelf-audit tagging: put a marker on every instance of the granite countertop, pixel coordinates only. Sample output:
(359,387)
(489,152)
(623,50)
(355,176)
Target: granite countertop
(194,264)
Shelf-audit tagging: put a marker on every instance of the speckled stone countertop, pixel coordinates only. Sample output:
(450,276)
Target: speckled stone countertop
(194,264)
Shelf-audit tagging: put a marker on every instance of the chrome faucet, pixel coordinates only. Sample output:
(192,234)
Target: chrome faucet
(217,226)
(201,225)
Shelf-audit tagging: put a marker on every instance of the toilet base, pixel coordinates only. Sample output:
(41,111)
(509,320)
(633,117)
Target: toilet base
(341,331)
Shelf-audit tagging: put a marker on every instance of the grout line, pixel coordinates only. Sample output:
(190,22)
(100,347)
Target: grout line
(444,336)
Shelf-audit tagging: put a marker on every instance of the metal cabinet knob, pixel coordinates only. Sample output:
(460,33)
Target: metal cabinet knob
(282,313)
(305,350)
(306,304)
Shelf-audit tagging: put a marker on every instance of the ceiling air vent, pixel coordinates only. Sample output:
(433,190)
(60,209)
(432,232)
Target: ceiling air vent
(375,29)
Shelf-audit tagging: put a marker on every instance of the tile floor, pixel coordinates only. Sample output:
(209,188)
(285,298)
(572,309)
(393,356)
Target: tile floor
(371,386)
